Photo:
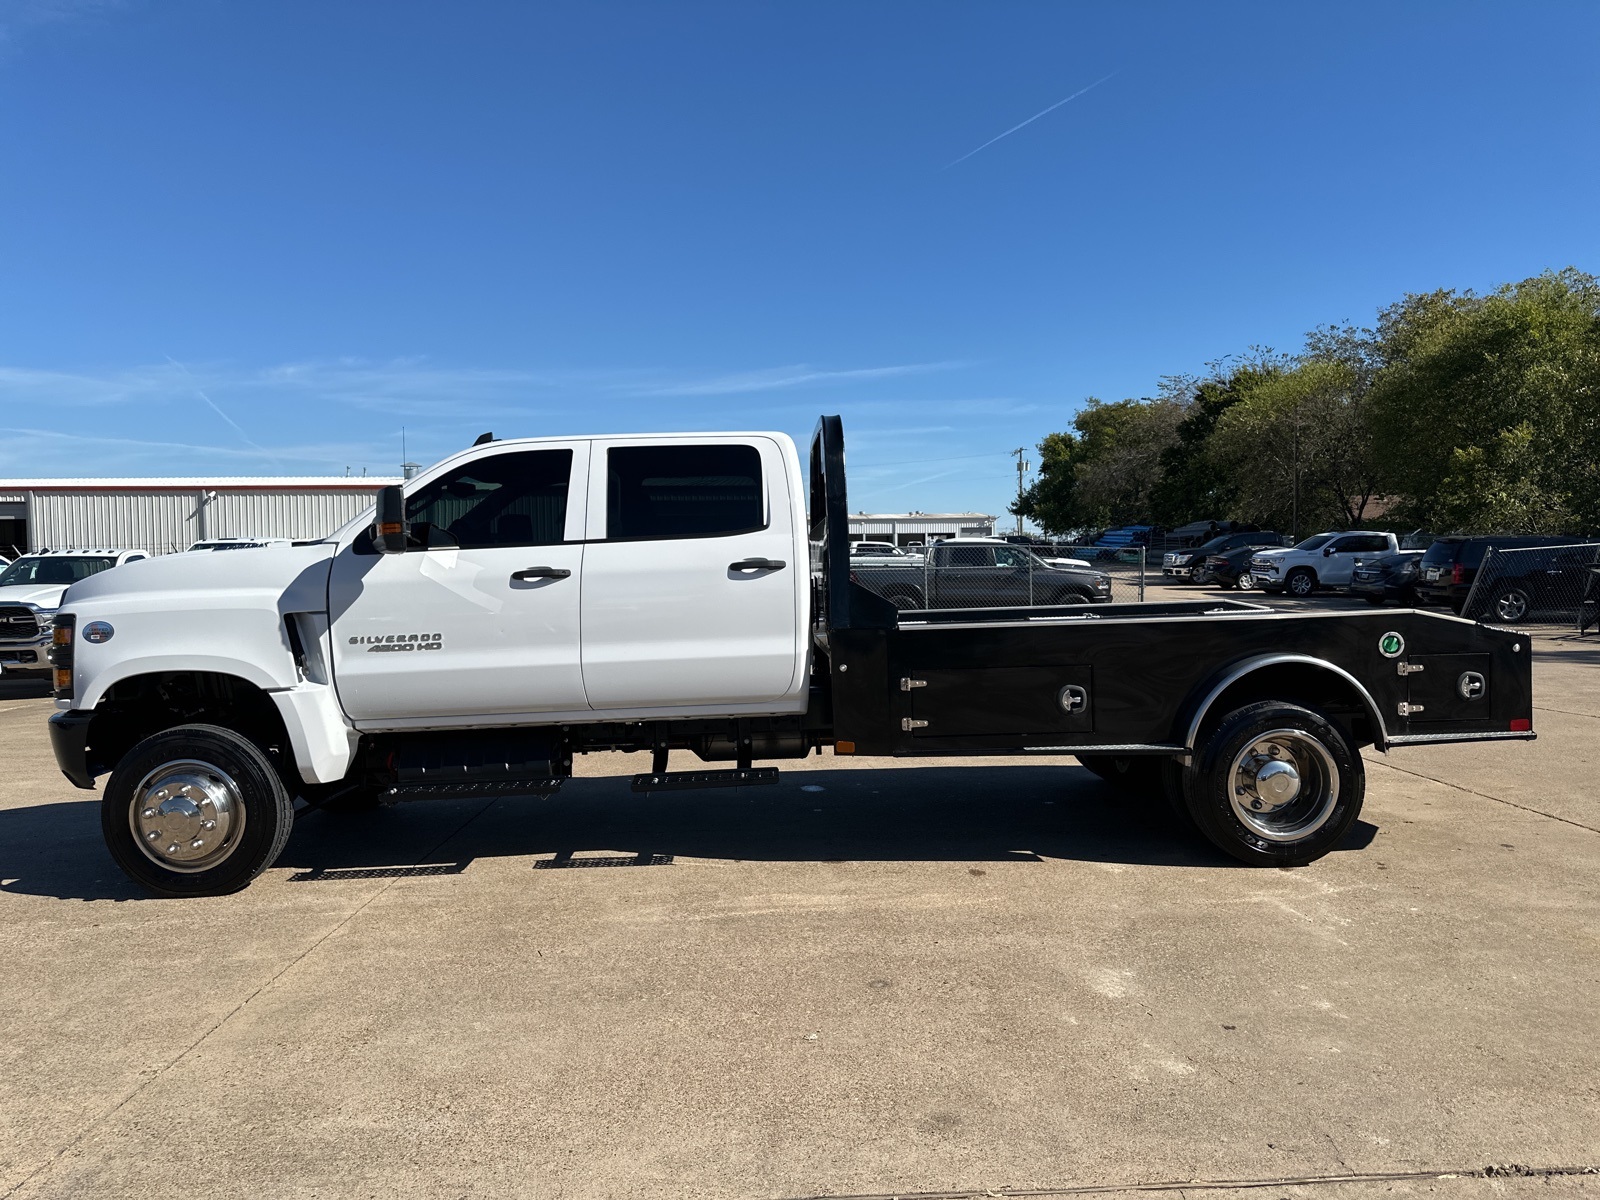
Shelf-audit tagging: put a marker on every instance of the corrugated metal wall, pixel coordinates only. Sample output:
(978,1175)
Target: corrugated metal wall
(152,521)
(284,514)
(165,522)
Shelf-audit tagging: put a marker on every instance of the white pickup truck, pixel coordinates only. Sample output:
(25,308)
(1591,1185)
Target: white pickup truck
(1326,560)
(525,601)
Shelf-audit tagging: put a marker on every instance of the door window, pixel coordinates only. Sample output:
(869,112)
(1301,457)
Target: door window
(1008,557)
(517,498)
(682,491)
(970,556)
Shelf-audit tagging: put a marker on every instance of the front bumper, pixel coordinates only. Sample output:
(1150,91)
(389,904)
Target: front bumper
(69,740)
(1178,572)
(29,656)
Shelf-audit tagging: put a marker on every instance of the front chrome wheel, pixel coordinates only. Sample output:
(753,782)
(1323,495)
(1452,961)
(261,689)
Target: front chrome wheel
(187,815)
(1284,785)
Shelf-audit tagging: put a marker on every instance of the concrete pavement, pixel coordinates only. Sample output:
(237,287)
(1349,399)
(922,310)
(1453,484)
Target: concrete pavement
(874,979)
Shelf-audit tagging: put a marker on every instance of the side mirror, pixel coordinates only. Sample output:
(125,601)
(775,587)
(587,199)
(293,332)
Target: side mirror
(1327,551)
(389,524)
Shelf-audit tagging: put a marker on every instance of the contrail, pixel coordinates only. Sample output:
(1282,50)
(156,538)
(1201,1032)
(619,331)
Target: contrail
(1029,121)
(212,405)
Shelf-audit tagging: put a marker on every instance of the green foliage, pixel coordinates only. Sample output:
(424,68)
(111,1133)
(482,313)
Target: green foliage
(1103,474)
(1484,413)
(1459,413)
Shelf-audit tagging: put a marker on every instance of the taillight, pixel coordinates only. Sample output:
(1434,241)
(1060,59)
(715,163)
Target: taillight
(61,644)
(1457,572)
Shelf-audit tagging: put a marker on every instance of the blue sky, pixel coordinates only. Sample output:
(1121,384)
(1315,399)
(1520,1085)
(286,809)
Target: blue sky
(252,238)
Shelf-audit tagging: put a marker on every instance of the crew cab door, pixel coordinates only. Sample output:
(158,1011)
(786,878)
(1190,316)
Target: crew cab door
(692,575)
(480,617)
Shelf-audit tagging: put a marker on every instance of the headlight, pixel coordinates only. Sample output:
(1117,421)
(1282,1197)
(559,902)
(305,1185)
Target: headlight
(1410,568)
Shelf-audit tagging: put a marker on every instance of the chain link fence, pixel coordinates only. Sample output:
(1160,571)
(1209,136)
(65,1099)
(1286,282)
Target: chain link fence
(994,575)
(1556,586)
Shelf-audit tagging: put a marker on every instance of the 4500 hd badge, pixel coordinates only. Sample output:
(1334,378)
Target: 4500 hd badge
(400,643)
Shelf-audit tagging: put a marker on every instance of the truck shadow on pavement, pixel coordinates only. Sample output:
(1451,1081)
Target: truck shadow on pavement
(977,815)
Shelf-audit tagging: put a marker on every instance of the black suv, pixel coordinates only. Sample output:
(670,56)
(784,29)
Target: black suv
(1451,564)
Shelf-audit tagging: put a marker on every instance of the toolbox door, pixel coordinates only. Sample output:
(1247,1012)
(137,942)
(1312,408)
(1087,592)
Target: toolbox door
(984,701)
(1451,688)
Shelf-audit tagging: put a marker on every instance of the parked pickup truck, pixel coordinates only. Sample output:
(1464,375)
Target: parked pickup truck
(982,573)
(1326,560)
(526,601)
(30,592)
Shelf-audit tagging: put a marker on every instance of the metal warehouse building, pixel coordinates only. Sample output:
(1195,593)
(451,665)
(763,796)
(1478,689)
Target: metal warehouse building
(902,529)
(161,516)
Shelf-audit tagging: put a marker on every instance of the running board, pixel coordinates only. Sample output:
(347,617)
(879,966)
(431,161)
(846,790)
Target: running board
(543,786)
(688,781)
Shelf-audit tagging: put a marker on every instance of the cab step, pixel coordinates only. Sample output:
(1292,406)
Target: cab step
(537,786)
(688,781)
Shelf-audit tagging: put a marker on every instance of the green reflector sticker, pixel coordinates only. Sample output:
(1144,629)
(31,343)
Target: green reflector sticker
(1391,645)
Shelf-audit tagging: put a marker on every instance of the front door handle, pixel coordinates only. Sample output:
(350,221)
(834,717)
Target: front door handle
(541,573)
(758,564)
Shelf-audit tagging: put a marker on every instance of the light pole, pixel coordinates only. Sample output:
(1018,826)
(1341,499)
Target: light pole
(1023,467)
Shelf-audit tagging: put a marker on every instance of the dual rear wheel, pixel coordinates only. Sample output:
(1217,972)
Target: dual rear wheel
(1275,784)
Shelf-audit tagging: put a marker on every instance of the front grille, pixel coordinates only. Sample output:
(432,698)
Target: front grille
(18,624)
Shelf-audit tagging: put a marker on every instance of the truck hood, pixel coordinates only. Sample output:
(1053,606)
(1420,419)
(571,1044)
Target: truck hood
(41,595)
(297,576)
(1287,550)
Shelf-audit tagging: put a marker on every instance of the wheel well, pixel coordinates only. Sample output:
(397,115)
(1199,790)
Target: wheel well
(141,705)
(1297,683)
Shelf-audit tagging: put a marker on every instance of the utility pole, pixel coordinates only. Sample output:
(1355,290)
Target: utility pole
(1294,521)
(1023,467)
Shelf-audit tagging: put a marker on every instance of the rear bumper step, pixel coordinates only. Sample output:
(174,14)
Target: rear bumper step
(688,781)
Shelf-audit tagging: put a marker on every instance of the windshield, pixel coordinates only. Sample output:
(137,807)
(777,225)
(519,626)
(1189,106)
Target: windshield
(53,570)
(1316,543)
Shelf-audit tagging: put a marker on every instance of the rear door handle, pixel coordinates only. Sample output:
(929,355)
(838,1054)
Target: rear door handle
(758,564)
(541,573)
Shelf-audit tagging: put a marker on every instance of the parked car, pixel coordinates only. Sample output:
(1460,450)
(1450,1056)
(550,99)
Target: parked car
(982,573)
(1198,533)
(1230,569)
(1184,564)
(1449,567)
(1388,578)
(30,593)
(1326,560)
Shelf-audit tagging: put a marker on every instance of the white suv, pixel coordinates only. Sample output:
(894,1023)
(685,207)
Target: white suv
(1324,561)
(30,592)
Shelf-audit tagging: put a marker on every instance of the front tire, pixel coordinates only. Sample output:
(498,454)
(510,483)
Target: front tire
(1301,582)
(1246,582)
(1276,785)
(197,810)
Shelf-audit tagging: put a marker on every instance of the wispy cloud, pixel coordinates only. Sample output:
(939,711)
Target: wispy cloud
(1042,112)
(19,15)
(799,375)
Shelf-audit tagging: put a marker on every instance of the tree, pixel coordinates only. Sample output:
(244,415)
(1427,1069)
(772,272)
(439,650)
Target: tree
(1484,412)
(1190,487)
(1103,473)
(1296,448)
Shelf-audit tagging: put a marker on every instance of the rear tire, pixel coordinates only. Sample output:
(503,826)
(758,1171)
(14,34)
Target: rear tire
(1276,785)
(197,810)
(1510,604)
